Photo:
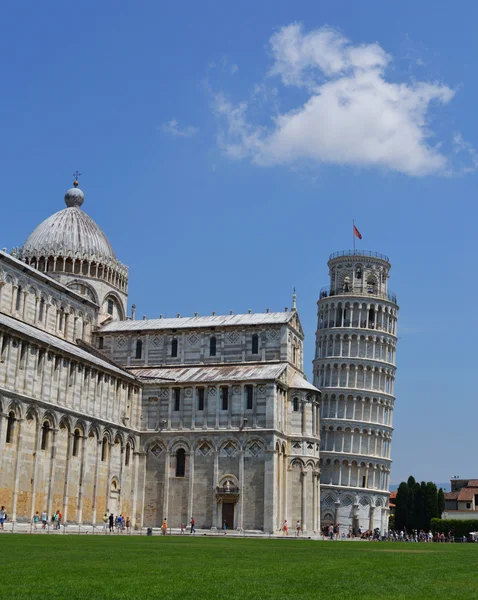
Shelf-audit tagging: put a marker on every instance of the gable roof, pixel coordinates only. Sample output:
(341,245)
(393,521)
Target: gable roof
(50,340)
(271,318)
(210,374)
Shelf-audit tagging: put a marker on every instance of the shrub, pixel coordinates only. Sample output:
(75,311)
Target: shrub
(459,528)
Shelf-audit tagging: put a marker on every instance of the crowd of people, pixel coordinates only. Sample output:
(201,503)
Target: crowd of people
(116,524)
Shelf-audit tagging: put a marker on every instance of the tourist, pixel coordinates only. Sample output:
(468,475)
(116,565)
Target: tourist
(44,519)
(60,517)
(119,523)
(182,527)
(224,527)
(285,527)
(128,525)
(164,527)
(192,522)
(3,517)
(297,529)
(105,522)
(36,519)
(111,522)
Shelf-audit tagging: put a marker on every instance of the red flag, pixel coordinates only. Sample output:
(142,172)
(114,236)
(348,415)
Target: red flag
(357,233)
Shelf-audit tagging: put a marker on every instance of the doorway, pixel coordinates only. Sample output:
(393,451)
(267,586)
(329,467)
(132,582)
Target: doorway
(228,515)
(113,499)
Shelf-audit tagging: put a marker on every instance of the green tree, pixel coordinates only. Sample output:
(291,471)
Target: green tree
(431,504)
(441,502)
(401,506)
(411,502)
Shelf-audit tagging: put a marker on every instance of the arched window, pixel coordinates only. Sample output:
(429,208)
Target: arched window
(10,427)
(76,443)
(212,345)
(104,449)
(45,434)
(139,349)
(180,462)
(255,344)
(18,298)
(42,310)
(127,454)
(295,403)
(358,273)
(110,306)
(174,348)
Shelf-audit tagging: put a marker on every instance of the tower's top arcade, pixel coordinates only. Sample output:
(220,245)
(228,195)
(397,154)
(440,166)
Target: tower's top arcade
(358,272)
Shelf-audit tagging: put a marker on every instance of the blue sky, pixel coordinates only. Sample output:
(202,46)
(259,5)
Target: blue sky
(225,149)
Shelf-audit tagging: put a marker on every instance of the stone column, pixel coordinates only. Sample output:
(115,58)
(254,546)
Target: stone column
(167,462)
(372,513)
(270,508)
(191,485)
(242,488)
(120,495)
(54,433)
(304,500)
(35,465)
(95,486)
(67,476)
(193,409)
(79,516)
(215,484)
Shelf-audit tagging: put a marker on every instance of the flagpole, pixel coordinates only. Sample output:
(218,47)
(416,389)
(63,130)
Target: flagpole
(353,232)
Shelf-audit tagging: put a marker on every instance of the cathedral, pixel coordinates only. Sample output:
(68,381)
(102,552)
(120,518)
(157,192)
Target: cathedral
(208,417)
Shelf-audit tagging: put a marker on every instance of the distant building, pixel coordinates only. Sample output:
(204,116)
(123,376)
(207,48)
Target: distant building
(462,501)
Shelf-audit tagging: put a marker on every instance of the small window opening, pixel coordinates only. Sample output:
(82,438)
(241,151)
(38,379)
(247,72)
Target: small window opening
(295,404)
(18,299)
(139,349)
(364,481)
(76,442)
(212,346)
(249,397)
(104,449)
(42,310)
(255,344)
(127,455)
(225,397)
(45,435)
(180,462)
(201,399)
(174,348)
(358,273)
(101,342)
(177,399)
(10,427)
(111,306)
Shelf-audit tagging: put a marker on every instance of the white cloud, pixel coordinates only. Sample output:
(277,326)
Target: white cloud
(172,127)
(352,114)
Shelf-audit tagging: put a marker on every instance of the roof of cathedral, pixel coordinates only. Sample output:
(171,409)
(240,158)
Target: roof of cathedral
(211,374)
(44,277)
(69,232)
(51,340)
(300,383)
(270,318)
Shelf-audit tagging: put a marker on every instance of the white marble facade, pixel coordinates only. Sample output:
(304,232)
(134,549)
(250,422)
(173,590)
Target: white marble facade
(354,367)
(210,417)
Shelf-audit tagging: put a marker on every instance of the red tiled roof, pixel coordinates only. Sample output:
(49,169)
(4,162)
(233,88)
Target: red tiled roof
(466,494)
(473,483)
(451,495)
(393,495)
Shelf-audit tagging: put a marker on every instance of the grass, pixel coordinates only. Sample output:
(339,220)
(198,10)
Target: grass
(120,567)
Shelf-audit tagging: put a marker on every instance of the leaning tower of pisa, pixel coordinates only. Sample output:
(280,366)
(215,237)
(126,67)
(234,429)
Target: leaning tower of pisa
(354,367)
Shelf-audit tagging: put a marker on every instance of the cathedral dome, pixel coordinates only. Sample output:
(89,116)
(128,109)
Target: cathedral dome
(69,232)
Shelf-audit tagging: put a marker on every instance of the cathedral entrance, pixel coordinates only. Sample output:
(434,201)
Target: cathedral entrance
(228,515)
(113,500)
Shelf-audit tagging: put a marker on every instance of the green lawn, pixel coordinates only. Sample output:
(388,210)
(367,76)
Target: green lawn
(71,567)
